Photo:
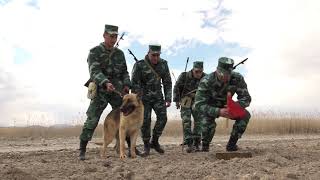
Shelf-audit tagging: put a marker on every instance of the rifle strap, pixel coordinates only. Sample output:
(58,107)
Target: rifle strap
(152,70)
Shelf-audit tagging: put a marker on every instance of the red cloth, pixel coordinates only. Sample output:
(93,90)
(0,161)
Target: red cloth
(235,110)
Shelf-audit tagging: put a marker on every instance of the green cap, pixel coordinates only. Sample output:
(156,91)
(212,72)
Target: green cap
(225,64)
(198,64)
(153,48)
(111,29)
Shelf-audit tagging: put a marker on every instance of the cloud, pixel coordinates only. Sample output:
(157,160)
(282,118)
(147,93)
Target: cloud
(281,38)
(284,60)
(58,35)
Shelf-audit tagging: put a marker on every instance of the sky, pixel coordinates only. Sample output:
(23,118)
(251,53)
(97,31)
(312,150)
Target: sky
(44,46)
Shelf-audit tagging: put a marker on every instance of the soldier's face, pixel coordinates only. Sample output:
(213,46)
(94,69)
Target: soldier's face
(154,57)
(223,76)
(197,73)
(110,39)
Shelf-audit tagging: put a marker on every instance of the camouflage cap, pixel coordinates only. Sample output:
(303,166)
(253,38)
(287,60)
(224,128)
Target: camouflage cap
(153,48)
(225,64)
(198,64)
(111,29)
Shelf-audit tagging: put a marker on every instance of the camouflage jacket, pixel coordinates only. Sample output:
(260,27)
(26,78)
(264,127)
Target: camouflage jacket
(104,70)
(212,93)
(184,85)
(143,79)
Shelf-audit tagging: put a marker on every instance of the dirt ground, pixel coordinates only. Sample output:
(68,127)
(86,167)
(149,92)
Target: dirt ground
(274,157)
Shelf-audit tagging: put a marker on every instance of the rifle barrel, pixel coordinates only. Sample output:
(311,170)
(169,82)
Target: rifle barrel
(242,62)
(134,57)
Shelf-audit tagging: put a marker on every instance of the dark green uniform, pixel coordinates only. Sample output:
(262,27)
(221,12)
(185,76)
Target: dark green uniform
(105,66)
(185,90)
(143,79)
(211,96)
(104,70)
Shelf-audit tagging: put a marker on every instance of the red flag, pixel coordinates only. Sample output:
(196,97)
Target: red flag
(235,110)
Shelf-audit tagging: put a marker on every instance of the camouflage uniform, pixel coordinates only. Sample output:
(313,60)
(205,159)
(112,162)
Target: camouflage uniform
(212,95)
(104,70)
(187,84)
(145,80)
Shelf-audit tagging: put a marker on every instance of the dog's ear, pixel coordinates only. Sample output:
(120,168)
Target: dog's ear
(139,95)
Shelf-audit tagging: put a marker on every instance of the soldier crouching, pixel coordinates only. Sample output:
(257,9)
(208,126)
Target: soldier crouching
(211,100)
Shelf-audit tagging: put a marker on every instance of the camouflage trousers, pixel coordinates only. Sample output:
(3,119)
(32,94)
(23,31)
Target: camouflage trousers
(188,135)
(209,127)
(96,107)
(161,113)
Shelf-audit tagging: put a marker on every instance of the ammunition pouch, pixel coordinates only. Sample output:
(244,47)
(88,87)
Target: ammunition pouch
(92,90)
(186,102)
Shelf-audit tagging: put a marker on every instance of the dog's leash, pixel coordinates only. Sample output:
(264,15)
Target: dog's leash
(118,92)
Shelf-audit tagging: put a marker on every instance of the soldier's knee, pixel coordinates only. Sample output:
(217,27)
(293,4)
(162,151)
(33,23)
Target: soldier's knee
(248,115)
(163,116)
(91,125)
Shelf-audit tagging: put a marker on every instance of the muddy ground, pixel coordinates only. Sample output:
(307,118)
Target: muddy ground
(274,157)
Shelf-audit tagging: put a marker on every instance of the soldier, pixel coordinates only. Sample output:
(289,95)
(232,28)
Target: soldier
(211,98)
(146,77)
(183,94)
(108,70)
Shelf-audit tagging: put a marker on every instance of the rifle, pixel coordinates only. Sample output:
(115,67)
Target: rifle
(134,57)
(174,77)
(111,53)
(121,38)
(242,62)
(185,82)
(190,92)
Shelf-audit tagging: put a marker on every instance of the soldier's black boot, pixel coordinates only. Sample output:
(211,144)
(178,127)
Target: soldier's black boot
(205,147)
(83,147)
(146,148)
(155,145)
(232,144)
(196,145)
(190,147)
(138,153)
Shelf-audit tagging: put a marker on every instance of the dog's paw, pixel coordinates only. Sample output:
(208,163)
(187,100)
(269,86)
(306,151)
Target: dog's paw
(133,156)
(103,154)
(122,156)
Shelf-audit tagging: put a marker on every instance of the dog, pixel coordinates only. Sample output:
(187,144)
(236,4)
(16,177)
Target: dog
(123,122)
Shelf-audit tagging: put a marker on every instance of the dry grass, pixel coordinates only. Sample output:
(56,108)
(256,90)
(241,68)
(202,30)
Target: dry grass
(260,123)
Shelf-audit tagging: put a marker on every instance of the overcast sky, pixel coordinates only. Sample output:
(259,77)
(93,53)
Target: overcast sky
(44,45)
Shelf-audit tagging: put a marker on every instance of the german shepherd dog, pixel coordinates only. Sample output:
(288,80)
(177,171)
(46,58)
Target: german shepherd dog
(123,122)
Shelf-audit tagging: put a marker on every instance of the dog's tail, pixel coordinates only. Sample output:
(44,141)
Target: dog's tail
(98,143)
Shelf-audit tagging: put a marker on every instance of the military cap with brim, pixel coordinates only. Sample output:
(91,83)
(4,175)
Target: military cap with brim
(154,48)
(198,64)
(111,29)
(225,64)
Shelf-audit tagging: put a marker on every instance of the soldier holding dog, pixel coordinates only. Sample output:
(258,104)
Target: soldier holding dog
(108,73)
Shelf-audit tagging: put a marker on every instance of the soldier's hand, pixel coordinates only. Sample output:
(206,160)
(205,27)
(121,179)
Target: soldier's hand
(224,112)
(168,104)
(178,105)
(110,87)
(125,90)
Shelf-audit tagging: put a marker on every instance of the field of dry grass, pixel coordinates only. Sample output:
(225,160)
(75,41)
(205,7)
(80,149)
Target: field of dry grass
(283,146)
(260,123)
